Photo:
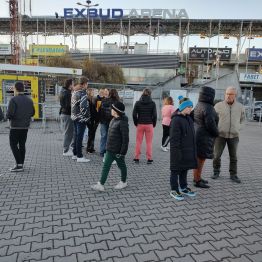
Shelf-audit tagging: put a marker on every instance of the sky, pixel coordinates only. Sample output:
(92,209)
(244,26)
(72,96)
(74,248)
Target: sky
(196,9)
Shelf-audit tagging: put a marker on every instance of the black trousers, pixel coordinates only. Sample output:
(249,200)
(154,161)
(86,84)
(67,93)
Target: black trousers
(178,175)
(165,138)
(91,135)
(17,139)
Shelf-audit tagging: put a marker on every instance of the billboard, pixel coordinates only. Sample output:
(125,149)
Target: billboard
(254,54)
(48,50)
(255,78)
(5,49)
(203,53)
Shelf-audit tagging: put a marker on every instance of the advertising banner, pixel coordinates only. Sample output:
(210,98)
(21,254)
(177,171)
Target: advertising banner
(5,49)
(255,78)
(205,53)
(254,54)
(48,50)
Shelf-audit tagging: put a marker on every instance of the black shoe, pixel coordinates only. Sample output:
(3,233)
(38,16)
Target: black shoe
(203,180)
(150,161)
(17,169)
(235,179)
(200,184)
(90,150)
(215,176)
(136,161)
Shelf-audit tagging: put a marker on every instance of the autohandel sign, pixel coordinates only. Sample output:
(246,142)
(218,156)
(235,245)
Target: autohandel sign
(204,53)
(118,13)
(254,78)
(254,54)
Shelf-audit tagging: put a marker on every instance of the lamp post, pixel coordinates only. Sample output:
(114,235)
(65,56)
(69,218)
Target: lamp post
(88,5)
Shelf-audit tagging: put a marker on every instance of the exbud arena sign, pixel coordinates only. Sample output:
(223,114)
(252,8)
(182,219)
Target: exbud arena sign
(118,13)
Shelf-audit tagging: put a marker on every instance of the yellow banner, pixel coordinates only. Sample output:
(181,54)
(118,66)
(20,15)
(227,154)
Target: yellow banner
(48,50)
(30,61)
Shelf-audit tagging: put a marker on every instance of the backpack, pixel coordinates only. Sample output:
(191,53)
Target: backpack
(105,111)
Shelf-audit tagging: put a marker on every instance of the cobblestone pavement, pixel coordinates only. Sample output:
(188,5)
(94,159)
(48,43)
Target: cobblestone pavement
(49,213)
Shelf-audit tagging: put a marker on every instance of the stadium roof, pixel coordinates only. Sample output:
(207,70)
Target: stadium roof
(78,26)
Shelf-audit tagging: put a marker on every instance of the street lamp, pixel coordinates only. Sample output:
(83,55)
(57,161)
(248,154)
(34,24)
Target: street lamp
(88,5)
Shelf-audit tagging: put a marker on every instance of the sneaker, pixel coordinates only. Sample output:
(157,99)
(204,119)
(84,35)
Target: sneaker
(121,185)
(203,180)
(215,175)
(167,147)
(74,157)
(98,187)
(68,153)
(235,179)
(201,184)
(114,162)
(150,161)
(176,195)
(187,191)
(135,160)
(90,151)
(16,169)
(82,160)
(164,149)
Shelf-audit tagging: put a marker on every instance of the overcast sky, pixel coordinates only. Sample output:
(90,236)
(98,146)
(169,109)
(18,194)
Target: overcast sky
(197,9)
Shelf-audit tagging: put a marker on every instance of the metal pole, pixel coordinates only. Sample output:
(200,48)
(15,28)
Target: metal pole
(209,40)
(157,49)
(149,40)
(64,31)
(92,35)
(180,41)
(249,39)
(217,55)
(100,35)
(128,36)
(88,29)
(187,43)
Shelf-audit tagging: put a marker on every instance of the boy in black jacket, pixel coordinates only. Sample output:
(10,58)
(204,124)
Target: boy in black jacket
(116,147)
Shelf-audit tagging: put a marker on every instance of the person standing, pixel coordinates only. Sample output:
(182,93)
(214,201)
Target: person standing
(65,114)
(231,115)
(182,150)
(116,147)
(167,111)
(80,114)
(144,117)
(19,112)
(205,120)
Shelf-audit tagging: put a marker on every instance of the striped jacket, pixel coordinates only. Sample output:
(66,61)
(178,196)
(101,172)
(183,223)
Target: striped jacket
(80,109)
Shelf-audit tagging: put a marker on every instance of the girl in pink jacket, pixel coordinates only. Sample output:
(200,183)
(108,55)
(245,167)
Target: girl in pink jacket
(167,111)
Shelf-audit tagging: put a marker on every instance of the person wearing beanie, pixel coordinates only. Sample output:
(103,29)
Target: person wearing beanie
(206,121)
(116,146)
(182,150)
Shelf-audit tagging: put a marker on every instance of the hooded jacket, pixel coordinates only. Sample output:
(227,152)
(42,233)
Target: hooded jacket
(118,135)
(206,121)
(182,143)
(144,111)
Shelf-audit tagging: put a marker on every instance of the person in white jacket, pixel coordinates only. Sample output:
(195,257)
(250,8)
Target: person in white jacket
(231,115)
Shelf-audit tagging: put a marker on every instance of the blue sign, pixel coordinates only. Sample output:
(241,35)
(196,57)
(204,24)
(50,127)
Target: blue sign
(254,54)
(70,13)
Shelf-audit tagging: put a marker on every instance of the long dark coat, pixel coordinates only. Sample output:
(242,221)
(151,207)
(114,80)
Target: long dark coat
(206,120)
(182,143)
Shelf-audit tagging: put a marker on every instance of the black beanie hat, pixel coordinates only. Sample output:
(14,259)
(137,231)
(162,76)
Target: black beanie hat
(119,107)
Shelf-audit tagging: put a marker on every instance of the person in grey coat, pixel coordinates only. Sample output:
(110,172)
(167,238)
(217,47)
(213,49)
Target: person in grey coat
(19,112)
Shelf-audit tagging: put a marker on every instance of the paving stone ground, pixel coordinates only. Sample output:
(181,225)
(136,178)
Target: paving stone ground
(49,213)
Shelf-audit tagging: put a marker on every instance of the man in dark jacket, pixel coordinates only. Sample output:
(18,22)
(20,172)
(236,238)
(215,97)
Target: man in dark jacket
(65,111)
(144,117)
(19,112)
(206,120)
(116,147)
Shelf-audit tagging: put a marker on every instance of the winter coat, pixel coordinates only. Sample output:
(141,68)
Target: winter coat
(206,121)
(144,111)
(167,111)
(97,101)
(231,117)
(105,110)
(182,143)
(20,110)
(65,101)
(80,110)
(118,135)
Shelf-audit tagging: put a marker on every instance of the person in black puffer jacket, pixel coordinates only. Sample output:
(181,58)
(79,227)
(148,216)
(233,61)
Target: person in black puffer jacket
(144,117)
(116,147)
(206,121)
(182,149)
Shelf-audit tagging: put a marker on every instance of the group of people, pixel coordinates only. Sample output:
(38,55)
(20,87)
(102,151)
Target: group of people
(194,134)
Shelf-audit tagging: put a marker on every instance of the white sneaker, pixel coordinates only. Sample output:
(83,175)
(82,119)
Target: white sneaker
(74,157)
(98,187)
(121,185)
(164,148)
(82,160)
(167,147)
(68,153)
(114,162)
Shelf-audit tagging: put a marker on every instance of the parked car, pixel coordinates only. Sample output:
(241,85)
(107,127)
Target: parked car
(257,113)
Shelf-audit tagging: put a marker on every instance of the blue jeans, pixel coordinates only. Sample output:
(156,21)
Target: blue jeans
(79,134)
(103,132)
